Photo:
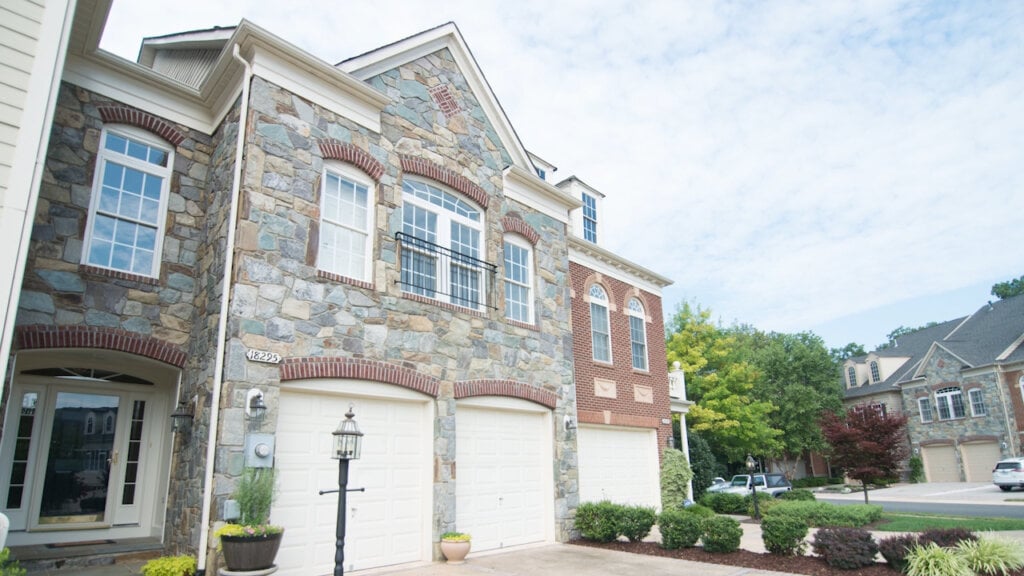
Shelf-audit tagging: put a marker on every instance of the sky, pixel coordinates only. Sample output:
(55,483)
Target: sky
(838,167)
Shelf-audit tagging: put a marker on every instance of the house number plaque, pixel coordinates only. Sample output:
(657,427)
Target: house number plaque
(263,356)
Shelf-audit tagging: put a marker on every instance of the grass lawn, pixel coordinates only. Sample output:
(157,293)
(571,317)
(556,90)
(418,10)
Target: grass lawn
(902,522)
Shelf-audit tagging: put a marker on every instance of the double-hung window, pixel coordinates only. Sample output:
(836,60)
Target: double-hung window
(443,245)
(518,280)
(851,376)
(346,224)
(950,402)
(875,376)
(977,402)
(925,406)
(599,324)
(129,202)
(589,218)
(637,333)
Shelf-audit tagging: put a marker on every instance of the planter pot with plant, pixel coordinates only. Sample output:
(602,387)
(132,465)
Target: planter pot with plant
(170,566)
(455,546)
(252,542)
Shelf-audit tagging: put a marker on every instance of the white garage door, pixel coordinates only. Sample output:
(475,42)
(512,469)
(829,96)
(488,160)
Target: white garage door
(619,464)
(979,460)
(940,463)
(387,524)
(503,489)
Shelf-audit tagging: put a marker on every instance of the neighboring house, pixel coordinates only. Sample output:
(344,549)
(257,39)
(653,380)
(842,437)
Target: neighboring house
(960,384)
(232,218)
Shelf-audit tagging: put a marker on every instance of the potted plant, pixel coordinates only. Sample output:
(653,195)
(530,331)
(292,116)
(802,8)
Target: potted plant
(252,542)
(455,546)
(170,566)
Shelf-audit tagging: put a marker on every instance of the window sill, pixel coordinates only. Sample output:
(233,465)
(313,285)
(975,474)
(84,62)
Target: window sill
(343,279)
(442,304)
(117,274)
(519,324)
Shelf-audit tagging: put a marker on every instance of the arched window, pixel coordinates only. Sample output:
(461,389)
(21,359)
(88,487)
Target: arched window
(851,376)
(637,333)
(108,424)
(875,376)
(518,279)
(126,222)
(600,333)
(346,222)
(950,402)
(90,424)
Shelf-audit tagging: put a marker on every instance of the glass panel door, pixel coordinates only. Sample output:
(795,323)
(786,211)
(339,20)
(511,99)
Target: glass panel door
(81,450)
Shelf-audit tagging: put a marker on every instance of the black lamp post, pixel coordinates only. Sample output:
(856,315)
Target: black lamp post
(751,467)
(348,441)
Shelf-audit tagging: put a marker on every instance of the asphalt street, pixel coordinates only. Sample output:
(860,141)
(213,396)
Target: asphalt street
(960,499)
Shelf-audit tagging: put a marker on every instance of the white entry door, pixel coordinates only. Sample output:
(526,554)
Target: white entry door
(503,490)
(619,464)
(387,524)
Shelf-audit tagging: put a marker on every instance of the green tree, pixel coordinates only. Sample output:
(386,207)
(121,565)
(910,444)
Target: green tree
(1008,289)
(703,462)
(799,377)
(865,444)
(675,478)
(720,383)
(851,350)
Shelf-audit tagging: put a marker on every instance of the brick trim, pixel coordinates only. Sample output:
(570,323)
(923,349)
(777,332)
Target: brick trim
(118,274)
(979,438)
(506,388)
(516,225)
(939,442)
(445,176)
(609,418)
(343,279)
(38,336)
(358,369)
(121,114)
(332,149)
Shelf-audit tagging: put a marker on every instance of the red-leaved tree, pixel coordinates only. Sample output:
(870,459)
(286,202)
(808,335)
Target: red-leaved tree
(866,444)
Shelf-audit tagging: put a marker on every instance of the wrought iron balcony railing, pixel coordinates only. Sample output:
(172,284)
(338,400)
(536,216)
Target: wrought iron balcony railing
(442,274)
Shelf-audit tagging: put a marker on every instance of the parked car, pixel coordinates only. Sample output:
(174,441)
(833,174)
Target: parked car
(717,484)
(1008,473)
(770,483)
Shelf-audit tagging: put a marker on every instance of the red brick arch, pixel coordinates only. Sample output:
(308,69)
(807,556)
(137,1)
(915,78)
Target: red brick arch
(336,150)
(38,336)
(121,114)
(358,369)
(421,167)
(516,225)
(506,388)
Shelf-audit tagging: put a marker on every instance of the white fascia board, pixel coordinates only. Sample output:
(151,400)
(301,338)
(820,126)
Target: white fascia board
(528,189)
(317,89)
(392,56)
(1011,348)
(140,87)
(600,260)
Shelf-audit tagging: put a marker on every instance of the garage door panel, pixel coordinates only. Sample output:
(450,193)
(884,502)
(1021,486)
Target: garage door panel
(618,464)
(979,460)
(940,463)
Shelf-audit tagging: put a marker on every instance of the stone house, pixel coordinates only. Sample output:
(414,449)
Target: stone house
(959,382)
(231,223)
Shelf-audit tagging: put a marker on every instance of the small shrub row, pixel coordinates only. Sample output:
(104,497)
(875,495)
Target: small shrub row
(801,494)
(724,503)
(682,528)
(823,514)
(815,481)
(896,548)
(784,535)
(845,548)
(605,521)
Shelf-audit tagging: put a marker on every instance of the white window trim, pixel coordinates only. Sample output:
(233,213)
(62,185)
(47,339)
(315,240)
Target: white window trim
(522,243)
(945,396)
(606,305)
(981,400)
(352,174)
(164,172)
(876,373)
(925,401)
(642,316)
(851,376)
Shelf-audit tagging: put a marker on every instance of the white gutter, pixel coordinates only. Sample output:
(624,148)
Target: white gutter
(222,324)
(1010,436)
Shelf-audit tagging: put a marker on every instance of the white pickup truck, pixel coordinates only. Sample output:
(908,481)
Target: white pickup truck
(770,483)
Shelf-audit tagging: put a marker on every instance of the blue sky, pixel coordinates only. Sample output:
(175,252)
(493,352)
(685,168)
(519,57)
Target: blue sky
(840,167)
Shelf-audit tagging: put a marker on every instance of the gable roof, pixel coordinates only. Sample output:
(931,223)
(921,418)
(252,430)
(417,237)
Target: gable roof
(391,56)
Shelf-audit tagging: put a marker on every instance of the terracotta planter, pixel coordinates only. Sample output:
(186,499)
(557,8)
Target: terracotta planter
(455,551)
(242,553)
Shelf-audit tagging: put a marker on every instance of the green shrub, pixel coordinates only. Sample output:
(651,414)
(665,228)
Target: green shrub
(798,494)
(845,548)
(934,560)
(810,482)
(835,481)
(992,556)
(598,521)
(675,478)
(635,522)
(820,514)
(722,534)
(170,566)
(916,469)
(784,535)
(895,549)
(680,528)
(698,510)
(764,503)
(724,503)
(946,537)
(9,567)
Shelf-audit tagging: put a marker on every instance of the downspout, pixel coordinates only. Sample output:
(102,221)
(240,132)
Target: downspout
(998,370)
(222,324)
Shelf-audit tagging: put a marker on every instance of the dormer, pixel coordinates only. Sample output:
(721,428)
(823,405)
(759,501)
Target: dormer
(542,167)
(852,374)
(186,57)
(587,220)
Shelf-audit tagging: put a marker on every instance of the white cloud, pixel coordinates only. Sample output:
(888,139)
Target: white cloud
(786,163)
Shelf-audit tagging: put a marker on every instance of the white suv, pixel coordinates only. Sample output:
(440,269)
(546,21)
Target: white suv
(1008,473)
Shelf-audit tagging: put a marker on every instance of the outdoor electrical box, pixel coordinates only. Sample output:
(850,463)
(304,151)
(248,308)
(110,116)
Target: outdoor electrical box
(231,510)
(259,450)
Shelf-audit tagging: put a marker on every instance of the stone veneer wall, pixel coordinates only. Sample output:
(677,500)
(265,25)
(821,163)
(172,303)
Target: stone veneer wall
(279,302)
(943,370)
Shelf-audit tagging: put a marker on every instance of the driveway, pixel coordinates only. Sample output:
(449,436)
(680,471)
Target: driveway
(949,492)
